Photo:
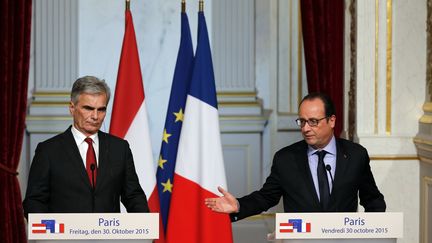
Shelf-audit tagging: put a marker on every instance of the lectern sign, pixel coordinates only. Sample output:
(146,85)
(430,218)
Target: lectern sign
(338,225)
(93,226)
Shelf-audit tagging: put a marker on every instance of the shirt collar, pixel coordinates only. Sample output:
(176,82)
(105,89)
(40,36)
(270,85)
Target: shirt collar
(79,136)
(330,148)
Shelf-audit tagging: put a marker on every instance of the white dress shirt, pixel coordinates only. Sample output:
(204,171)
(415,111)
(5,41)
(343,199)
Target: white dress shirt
(329,159)
(83,146)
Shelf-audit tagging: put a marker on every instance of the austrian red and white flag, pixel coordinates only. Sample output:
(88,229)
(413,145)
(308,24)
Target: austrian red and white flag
(199,167)
(129,115)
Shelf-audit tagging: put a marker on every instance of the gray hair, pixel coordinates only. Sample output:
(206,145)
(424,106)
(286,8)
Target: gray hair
(89,85)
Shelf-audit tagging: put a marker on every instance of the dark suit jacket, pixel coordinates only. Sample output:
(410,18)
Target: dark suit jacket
(290,178)
(58,182)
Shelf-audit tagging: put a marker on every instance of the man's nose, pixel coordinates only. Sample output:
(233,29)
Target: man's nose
(306,127)
(94,114)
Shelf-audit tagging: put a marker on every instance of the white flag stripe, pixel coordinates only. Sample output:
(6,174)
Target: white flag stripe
(290,227)
(200,161)
(304,227)
(38,227)
(57,228)
(139,140)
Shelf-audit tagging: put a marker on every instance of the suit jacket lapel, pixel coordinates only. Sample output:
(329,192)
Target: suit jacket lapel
(74,156)
(341,164)
(103,158)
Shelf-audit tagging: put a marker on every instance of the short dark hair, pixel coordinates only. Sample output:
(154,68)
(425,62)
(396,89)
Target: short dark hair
(329,107)
(89,85)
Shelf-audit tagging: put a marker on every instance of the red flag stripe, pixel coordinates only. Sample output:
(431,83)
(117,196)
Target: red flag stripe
(187,221)
(61,228)
(286,230)
(39,231)
(129,79)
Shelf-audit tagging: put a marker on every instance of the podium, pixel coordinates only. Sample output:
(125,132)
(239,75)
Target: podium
(86,228)
(338,227)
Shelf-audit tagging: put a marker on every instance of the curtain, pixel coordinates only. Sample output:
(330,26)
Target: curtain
(323,25)
(15,29)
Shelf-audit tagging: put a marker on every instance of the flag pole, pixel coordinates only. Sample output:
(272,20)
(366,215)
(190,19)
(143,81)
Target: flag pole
(127,5)
(183,6)
(201,5)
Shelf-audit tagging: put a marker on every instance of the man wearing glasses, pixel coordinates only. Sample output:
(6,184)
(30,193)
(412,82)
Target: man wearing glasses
(318,174)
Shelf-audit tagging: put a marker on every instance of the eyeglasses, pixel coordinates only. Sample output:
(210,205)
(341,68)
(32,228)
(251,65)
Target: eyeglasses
(311,122)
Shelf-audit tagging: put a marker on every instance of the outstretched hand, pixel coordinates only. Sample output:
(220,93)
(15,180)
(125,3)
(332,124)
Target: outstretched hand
(224,204)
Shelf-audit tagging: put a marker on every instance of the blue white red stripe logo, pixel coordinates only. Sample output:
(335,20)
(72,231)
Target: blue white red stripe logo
(295,225)
(47,226)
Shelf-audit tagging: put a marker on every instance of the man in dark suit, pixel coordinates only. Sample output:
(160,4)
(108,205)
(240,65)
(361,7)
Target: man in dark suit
(84,170)
(302,173)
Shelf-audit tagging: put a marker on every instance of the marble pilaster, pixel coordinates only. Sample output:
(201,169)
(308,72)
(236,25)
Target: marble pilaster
(389,77)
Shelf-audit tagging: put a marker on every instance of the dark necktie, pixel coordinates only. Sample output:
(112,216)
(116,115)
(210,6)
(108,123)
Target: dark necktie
(91,162)
(323,184)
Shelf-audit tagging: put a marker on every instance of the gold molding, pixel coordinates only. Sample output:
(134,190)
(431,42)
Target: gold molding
(427,107)
(427,119)
(49,103)
(51,94)
(422,141)
(227,103)
(286,113)
(376,66)
(389,67)
(44,118)
(243,118)
(425,160)
(394,157)
(237,94)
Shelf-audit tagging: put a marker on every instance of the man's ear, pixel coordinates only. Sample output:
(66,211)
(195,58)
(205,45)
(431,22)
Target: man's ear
(71,107)
(332,121)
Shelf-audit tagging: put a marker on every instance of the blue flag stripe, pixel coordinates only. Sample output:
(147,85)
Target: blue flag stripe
(203,82)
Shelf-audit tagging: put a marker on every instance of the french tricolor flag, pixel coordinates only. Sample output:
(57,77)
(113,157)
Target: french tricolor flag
(199,168)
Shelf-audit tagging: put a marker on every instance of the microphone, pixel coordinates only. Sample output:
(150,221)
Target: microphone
(328,168)
(92,168)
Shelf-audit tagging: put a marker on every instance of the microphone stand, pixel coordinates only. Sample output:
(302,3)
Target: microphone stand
(92,168)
